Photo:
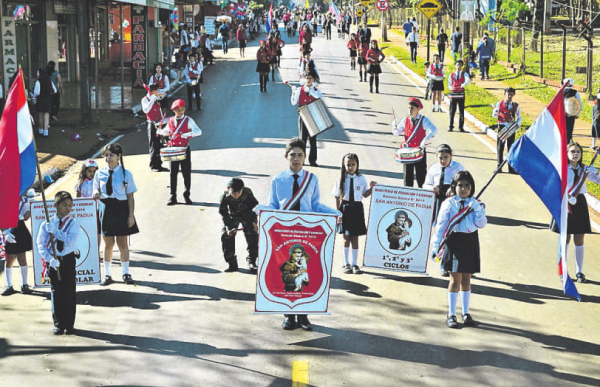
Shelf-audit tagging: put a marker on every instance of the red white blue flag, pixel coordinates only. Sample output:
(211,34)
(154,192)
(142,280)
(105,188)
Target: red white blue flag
(540,157)
(269,24)
(17,153)
(334,10)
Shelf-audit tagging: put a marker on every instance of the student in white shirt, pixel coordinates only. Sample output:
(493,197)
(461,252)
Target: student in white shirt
(412,40)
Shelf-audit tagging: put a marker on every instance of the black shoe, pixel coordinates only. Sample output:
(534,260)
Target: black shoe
(233,267)
(25,289)
(450,129)
(187,199)
(70,331)
(107,281)
(289,323)
(172,201)
(461,129)
(304,323)
(127,279)
(160,169)
(8,290)
(451,322)
(57,331)
(581,277)
(377,91)
(468,320)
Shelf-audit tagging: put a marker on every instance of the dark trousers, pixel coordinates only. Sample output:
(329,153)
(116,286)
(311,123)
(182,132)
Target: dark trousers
(207,55)
(441,51)
(186,171)
(312,140)
(570,127)
(413,52)
(154,146)
(460,102)
(500,148)
(63,293)
(328,31)
(191,90)
(224,43)
(228,243)
(418,168)
(55,104)
(484,67)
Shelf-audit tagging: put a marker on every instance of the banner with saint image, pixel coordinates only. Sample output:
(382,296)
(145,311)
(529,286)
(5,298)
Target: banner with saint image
(295,257)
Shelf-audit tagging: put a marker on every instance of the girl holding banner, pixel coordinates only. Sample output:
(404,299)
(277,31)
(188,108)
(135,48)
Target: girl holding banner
(457,240)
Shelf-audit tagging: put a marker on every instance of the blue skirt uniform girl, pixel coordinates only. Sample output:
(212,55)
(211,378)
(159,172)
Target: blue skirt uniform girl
(460,254)
(64,230)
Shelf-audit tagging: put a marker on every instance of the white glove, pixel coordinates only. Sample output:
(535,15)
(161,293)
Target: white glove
(306,89)
(10,238)
(186,135)
(54,263)
(51,227)
(163,132)
(394,124)
(474,205)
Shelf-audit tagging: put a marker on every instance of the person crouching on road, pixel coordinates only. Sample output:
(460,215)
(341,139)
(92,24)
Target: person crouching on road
(62,230)
(301,96)
(180,128)
(236,207)
(192,79)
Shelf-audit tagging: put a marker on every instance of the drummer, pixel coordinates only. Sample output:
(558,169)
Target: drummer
(192,72)
(507,112)
(180,128)
(436,73)
(162,81)
(301,96)
(417,130)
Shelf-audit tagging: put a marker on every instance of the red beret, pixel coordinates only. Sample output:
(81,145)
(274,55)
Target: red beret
(177,104)
(416,102)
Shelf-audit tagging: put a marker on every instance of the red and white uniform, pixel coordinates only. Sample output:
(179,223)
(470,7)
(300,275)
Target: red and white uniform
(192,71)
(457,82)
(352,44)
(181,130)
(416,134)
(304,95)
(374,56)
(436,71)
(263,55)
(507,112)
(162,81)
(151,107)
(363,49)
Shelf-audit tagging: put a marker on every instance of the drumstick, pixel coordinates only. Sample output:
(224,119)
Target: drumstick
(394,112)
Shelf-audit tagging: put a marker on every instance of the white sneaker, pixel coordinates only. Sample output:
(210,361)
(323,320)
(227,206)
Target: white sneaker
(40,131)
(45,132)
(432,108)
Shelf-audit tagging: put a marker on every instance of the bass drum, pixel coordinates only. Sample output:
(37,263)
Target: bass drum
(315,117)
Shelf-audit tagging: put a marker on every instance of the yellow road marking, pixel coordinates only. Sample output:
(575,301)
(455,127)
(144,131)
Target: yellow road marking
(300,374)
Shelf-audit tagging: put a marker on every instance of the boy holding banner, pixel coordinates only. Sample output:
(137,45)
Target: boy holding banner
(296,190)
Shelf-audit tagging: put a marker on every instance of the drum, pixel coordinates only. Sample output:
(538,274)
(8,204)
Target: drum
(438,78)
(315,117)
(173,153)
(408,155)
(194,82)
(455,95)
(572,106)
(507,131)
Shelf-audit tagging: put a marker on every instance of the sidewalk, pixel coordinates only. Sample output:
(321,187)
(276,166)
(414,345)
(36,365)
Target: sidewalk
(530,106)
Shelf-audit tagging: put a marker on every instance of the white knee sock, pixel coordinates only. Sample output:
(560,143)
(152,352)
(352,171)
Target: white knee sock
(346,250)
(24,275)
(8,275)
(579,259)
(465,298)
(125,267)
(354,256)
(452,300)
(106,268)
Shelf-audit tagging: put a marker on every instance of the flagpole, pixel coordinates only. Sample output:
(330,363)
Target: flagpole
(39,172)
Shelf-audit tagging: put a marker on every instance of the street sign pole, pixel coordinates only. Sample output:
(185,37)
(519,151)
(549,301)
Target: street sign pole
(428,37)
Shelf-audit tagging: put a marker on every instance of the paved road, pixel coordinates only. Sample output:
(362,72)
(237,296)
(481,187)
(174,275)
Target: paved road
(187,323)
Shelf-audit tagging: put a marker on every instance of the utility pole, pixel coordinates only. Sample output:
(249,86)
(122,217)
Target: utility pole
(84,61)
(383,27)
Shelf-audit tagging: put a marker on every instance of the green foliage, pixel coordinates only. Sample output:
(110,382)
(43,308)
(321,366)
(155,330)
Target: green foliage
(256,5)
(509,11)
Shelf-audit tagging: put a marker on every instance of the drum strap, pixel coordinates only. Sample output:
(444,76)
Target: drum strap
(578,182)
(415,129)
(454,221)
(180,125)
(295,199)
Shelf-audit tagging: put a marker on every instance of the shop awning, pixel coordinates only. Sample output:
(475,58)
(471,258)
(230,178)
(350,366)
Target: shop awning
(164,4)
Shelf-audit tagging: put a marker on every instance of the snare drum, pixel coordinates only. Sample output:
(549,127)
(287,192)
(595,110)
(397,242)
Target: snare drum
(173,153)
(315,117)
(408,155)
(454,95)
(194,82)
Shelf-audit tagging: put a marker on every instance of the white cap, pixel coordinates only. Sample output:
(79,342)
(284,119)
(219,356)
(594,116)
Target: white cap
(568,82)
(91,163)
(30,193)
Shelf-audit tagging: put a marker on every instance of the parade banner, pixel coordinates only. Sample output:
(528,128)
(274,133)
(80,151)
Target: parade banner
(294,262)
(87,267)
(399,228)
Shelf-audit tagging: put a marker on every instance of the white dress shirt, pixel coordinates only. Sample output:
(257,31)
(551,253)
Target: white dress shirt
(86,188)
(36,89)
(282,188)
(188,68)
(120,190)
(430,129)
(413,37)
(435,171)
(68,236)
(158,78)
(467,80)
(593,177)
(450,207)
(360,186)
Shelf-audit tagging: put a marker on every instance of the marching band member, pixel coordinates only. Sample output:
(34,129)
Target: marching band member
(578,221)
(263,57)
(352,45)
(507,112)
(280,44)
(307,65)
(154,117)
(64,230)
(163,86)
(296,189)
(571,116)
(437,74)
(417,130)
(301,96)
(192,79)
(460,255)
(456,83)
(180,128)
(363,48)
(272,47)
(374,57)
